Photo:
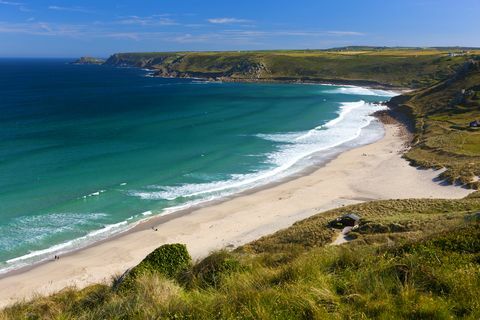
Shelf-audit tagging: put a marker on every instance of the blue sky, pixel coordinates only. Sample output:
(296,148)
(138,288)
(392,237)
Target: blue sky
(48,28)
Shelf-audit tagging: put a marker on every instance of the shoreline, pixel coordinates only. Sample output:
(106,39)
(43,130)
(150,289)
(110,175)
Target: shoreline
(332,82)
(367,84)
(302,166)
(327,82)
(242,218)
(322,158)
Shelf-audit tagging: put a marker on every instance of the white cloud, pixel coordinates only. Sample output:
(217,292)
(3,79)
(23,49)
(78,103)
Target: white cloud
(345,33)
(123,35)
(11,3)
(290,33)
(153,20)
(123,28)
(44,29)
(21,6)
(71,9)
(227,21)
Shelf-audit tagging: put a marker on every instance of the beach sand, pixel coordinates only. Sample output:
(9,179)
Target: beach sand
(370,172)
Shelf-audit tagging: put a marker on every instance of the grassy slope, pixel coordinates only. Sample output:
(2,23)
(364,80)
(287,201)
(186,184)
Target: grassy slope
(413,259)
(442,114)
(410,68)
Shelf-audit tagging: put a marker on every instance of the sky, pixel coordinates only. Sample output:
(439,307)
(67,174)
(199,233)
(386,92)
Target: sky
(49,28)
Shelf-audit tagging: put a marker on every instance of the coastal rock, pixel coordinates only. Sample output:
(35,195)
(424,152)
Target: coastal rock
(88,60)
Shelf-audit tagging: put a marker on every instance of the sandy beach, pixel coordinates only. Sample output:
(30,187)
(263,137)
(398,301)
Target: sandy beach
(370,172)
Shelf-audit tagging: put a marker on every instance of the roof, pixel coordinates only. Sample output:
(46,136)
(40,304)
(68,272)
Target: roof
(352,216)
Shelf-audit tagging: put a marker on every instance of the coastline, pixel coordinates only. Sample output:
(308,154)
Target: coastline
(381,173)
(155,73)
(314,161)
(304,164)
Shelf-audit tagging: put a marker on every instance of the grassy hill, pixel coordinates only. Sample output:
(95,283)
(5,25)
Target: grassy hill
(411,259)
(391,67)
(441,114)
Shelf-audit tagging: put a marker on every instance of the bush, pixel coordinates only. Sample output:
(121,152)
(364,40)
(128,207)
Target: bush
(168,260)
(209,271)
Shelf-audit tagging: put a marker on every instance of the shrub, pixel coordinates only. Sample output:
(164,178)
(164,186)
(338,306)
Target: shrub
(209,271)
(167,260)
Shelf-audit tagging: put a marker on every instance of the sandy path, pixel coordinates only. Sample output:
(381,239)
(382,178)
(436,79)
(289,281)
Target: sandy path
(375,171)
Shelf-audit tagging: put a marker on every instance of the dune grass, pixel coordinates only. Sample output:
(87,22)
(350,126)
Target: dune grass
(430,269)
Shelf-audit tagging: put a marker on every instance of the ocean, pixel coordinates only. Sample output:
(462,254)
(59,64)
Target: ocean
(88,151)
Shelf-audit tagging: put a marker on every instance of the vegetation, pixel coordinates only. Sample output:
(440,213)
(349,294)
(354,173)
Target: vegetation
(441,115)
(168,260)
(397,67)
(425,266)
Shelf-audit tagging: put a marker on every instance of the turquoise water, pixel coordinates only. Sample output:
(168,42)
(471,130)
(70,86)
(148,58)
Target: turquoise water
(87,151)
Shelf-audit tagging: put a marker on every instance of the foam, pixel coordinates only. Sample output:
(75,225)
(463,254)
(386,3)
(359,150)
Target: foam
(94,194)
(293,147)
(362,91)
(48,226)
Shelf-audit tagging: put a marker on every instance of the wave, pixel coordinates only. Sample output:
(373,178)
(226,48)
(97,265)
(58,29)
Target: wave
(42,255)
(362,91)
(292,147)
(94,194)
(293,153)
(41,227)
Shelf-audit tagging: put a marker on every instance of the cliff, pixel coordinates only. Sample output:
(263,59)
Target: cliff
(88,60)
(407,68)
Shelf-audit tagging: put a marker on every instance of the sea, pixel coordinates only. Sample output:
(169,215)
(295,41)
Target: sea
(88,151)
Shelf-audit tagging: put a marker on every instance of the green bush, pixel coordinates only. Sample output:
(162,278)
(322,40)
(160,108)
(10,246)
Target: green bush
(168,260)
(209,271)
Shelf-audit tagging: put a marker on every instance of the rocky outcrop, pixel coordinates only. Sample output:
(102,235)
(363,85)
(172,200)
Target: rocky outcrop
(88,60)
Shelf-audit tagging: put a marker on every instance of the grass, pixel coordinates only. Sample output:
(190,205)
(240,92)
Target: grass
(442,114)
(397,67)
(430,269)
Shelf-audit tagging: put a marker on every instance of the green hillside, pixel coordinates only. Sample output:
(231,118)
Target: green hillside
(441,115)
(394,67)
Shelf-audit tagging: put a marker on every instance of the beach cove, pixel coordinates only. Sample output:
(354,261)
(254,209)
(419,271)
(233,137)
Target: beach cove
(370,172)
(90,151)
